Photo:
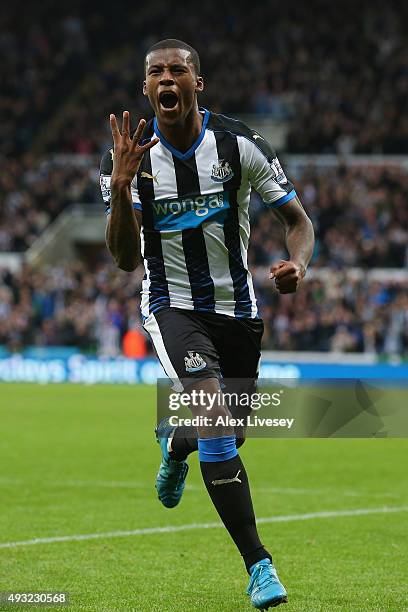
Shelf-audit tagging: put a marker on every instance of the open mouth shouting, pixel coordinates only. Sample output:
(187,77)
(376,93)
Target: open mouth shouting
(168,100)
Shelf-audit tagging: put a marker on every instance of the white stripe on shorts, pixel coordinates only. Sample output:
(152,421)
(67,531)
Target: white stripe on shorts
(152,327)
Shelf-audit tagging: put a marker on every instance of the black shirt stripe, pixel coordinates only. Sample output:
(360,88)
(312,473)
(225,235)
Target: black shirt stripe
(243,304)
(186,176)
(195,252)
(153,253)
(227,148)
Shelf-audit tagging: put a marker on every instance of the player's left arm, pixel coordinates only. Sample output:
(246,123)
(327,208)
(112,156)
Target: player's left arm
(268,178)
(299,235)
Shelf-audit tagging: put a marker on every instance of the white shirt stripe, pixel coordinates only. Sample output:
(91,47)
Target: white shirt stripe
(244,229)
(164,182)
(176,270)
(243,198)
(206,156)
(218,262)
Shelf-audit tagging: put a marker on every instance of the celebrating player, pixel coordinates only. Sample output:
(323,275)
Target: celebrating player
(177,195)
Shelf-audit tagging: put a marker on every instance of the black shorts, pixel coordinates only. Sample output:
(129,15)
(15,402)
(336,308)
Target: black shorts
(195,345)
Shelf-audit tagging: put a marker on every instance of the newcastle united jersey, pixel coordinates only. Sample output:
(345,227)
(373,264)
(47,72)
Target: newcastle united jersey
(195,221)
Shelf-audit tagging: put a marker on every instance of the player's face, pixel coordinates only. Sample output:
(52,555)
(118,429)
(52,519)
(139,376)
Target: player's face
(171,84)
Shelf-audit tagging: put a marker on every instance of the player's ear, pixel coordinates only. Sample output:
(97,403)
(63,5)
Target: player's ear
(144,88)
(199,84)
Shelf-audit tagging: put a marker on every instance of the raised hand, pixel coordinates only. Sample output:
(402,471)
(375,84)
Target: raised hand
(127,152)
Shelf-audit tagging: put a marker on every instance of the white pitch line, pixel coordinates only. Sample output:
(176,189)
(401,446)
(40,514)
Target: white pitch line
(192,526)
(109,484)
(121,484)
(328,491)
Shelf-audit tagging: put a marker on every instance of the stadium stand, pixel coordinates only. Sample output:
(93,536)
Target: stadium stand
(301,63)
(93,310)
(33,194)
(59,84)
(359,214)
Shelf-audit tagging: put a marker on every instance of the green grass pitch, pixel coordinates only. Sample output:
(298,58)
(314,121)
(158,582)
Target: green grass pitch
(82,460)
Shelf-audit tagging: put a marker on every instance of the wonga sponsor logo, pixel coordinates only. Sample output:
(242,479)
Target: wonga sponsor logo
(188,212)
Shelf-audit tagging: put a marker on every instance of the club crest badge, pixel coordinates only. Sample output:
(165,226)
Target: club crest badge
(222,171)
(194,362)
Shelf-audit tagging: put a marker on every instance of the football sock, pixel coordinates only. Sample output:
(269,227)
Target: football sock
(226,481)
(185,441)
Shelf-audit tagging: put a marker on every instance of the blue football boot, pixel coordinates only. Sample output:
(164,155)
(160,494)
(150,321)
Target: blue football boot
(265,589)
(172,474)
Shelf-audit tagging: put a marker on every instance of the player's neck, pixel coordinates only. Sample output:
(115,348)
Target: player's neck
(184,134)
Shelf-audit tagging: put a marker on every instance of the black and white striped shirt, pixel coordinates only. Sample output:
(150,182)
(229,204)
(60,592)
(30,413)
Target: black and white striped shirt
(195,221)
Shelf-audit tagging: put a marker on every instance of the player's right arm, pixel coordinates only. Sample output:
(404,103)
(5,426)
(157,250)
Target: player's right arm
(123,227)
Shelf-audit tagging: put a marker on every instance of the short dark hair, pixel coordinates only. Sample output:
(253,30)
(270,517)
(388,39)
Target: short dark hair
(173,43)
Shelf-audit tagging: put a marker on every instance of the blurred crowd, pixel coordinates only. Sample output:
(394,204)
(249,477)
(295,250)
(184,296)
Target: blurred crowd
(69,306)
(337,75)
(45,53)
(359,213)
(337,313)
(360,217)
(34,193)
(95,311)
(338,78)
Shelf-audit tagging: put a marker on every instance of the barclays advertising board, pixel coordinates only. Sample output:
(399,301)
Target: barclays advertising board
(81,369)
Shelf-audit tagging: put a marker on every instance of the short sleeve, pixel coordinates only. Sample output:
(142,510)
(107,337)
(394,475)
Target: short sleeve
(265,173)
(105,173)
